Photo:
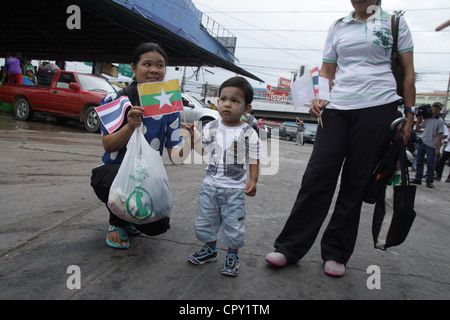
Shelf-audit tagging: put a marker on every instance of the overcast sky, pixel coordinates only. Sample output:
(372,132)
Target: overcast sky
(276,37)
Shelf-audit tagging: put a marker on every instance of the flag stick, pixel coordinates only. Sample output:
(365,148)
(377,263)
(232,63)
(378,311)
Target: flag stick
(319,119)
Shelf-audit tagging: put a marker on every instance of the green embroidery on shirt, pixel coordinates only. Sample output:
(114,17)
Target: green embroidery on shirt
(384,39)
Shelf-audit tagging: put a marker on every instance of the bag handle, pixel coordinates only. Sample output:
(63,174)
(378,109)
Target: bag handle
(401,149)
(136,139)
(403,163)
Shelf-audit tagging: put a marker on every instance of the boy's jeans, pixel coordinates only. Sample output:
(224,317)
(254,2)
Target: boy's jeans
(221,207)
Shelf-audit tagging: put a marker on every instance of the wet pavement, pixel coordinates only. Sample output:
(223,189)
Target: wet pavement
(53,230)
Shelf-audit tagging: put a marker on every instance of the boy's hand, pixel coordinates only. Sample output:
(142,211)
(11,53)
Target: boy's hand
(187,132)
(250,188)
(195,135)
(189,128)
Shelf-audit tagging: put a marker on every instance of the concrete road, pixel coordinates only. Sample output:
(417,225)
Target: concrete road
(53,229)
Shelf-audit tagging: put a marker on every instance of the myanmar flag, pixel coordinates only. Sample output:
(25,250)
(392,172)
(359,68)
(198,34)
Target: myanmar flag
(160,97)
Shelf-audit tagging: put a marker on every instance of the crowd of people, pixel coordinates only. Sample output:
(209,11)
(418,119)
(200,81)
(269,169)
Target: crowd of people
(17,68)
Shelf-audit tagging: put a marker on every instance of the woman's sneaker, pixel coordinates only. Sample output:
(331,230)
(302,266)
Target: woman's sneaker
(204,255)
(334,269)
(277,259)
(231,265)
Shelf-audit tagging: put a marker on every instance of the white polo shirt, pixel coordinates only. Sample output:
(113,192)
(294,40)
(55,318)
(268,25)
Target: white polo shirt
(362,51)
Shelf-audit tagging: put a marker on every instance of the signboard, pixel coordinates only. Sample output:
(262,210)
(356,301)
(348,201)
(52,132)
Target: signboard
(277,95)
(285,83)
(125,70)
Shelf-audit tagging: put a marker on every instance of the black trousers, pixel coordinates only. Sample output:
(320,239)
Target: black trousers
(441,164)
(351,141)
(101,181)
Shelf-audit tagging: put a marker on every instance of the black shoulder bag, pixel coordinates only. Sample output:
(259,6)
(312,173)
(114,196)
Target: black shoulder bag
(394,209)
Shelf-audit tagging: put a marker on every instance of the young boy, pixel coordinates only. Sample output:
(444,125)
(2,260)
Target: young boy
(233,146)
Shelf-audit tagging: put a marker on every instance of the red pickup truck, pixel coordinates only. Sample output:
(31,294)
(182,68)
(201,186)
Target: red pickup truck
(63,94)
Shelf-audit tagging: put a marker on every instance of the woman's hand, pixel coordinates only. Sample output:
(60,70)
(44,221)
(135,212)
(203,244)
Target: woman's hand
(316,107)
(117,140)
(134,117)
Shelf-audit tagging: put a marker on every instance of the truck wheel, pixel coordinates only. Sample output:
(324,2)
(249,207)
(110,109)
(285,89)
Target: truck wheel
(91,120)
(22,109)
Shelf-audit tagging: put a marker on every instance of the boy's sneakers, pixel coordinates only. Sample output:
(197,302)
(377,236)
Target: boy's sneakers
(231,265)
(204,255)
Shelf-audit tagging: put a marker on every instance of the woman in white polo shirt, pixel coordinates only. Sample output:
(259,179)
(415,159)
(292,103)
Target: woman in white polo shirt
(355,133)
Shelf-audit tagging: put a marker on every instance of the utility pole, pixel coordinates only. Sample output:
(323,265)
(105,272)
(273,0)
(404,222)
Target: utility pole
(183,80)
(446,97)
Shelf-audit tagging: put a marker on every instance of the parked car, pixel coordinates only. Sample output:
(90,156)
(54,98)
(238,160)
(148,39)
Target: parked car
(63,94)
(310,132)
(195,111)
(288,130)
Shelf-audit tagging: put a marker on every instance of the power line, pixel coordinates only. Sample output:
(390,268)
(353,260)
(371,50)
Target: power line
(256,39)
(303,49)
(312,30)
(310,11)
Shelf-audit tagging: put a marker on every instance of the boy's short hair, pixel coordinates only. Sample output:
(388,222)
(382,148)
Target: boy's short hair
(241,83)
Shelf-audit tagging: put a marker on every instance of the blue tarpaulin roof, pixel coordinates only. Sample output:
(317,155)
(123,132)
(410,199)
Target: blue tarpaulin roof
(110,30)
(180,17)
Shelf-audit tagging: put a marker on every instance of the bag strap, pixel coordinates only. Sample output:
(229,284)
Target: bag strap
(395,26)
(394,29)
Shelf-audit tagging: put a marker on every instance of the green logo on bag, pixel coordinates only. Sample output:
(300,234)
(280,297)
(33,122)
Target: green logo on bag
(140,204)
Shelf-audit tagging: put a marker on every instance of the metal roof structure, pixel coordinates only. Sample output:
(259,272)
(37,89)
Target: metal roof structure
(109,31)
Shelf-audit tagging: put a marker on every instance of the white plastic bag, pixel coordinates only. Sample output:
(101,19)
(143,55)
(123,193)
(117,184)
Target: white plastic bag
(140,192)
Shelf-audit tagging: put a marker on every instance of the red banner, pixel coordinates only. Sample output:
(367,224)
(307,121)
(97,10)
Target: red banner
(285,83)
(277,95)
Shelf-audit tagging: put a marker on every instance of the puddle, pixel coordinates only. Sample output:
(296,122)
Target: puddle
(40,123)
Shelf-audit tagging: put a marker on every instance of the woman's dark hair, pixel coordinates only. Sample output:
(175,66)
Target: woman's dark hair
(241,83)
(148,47)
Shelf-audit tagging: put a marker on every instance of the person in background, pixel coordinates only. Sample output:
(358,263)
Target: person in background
(31,76)
(445,155)
(430,144)
(300,132)
(211,105)
(28,66)
(13,70)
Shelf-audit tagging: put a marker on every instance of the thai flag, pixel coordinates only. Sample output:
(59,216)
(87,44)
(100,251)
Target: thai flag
(112,114)
(315,79)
